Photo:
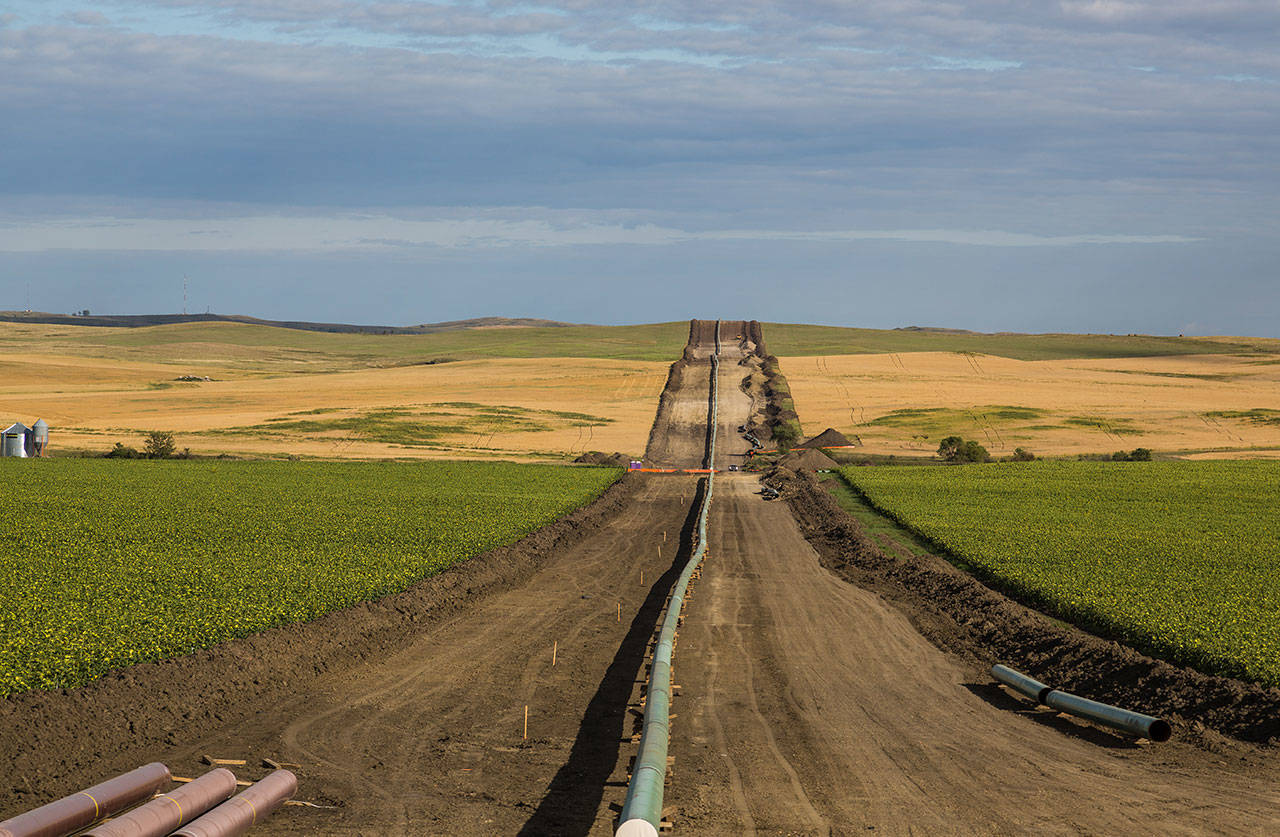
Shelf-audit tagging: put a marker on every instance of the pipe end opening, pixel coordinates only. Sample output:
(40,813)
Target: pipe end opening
(1160,731)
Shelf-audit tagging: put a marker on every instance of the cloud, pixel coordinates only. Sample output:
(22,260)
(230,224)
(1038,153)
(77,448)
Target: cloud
(528,228)
(88,18)
(997,125)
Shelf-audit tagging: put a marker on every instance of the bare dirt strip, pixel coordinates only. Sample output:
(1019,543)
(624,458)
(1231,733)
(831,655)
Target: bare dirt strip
(809,705)
(813,706)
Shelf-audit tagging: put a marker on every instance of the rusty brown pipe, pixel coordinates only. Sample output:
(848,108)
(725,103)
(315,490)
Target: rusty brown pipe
(72,813)
(163,814)
(240,813)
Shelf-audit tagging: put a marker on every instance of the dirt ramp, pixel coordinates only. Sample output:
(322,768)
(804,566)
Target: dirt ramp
(681,405)
(680,434)
(702,334)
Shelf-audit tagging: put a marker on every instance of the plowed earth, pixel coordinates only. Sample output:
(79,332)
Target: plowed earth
(809,705)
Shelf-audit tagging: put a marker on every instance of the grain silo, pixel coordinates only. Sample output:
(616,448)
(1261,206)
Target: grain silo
(13,442)
(39,438)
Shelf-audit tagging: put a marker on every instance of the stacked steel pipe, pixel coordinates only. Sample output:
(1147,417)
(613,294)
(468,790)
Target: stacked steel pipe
(171,810)
(201,808)
(642,811)
(240,813)
(72,813)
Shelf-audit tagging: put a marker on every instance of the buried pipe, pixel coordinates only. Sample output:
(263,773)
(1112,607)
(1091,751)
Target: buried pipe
(168,811)
(241,812)
(641,814)
(72,813)
(1135,723)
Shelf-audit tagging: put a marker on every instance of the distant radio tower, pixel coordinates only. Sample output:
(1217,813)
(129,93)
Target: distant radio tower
(184,294)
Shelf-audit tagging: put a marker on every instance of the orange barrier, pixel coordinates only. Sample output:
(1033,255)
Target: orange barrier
(674,471)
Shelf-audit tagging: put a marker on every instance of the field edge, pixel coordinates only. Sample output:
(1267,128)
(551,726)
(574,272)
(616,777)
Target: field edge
(53,741)
(961,615)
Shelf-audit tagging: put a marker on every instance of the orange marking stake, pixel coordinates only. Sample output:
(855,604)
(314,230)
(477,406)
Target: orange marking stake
(555,646)
(526,722)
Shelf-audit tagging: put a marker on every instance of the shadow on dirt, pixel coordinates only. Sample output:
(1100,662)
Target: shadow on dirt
(573,798)
(1045,717)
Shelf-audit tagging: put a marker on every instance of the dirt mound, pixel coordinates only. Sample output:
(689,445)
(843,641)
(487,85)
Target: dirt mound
(612,460)
(829,438)
(959,613)
(779,475)
(808,460)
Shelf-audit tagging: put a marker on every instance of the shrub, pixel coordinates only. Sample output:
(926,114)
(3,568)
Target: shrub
(122,452)
(956,449)
(1023,455)
(160,445)
(786,434)
(949,447)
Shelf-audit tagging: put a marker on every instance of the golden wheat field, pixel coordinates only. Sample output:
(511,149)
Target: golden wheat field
(1198,406)
(279,392)
(277,400)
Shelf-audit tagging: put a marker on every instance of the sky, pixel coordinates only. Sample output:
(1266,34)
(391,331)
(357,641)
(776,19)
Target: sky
(1006,165)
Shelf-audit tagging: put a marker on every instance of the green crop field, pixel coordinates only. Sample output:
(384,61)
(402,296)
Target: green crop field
(1180,559)
(793,340)
(109,563)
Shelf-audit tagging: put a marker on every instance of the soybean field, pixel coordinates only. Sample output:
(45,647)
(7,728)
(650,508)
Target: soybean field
(110,563)
(1180,559)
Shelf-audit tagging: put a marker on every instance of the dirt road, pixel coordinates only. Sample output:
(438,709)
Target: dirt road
(809,705)
(429,739)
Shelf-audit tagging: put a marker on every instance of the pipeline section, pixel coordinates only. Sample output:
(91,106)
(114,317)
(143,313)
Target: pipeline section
(240,813)
(1134,723)
(642,811)
(72,813)
(202,807)
(171,810)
